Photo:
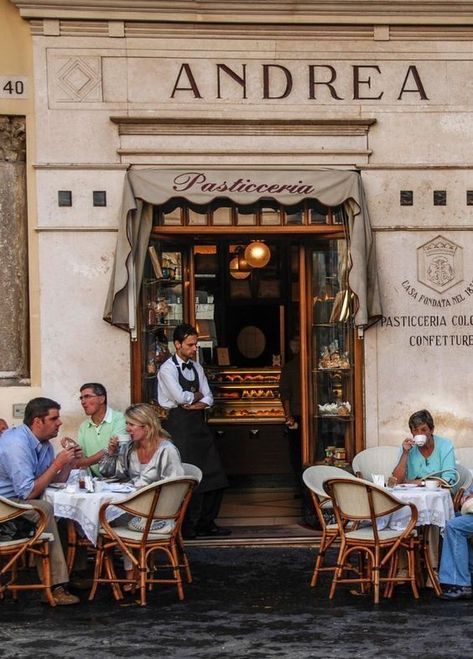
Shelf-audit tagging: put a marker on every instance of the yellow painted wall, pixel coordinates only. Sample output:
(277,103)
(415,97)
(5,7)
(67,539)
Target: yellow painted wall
(16,59)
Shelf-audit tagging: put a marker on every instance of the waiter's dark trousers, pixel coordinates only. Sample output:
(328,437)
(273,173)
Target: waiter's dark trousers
(202,511)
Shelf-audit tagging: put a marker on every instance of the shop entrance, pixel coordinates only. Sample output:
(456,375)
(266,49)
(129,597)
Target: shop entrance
(249,315)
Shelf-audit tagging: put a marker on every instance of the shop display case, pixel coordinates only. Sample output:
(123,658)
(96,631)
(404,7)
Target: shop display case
(332,354)
(163,310)
(245,395)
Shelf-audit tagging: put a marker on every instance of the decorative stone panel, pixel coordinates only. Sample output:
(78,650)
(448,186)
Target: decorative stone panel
(13,252)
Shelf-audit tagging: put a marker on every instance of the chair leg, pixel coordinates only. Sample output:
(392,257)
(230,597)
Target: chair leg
(376,574)
(71,544)
(177,572)
(183,558)
(392,571)
(338,570)
(112,577)
(142,571)
(430,570)
(320,560)
(97,570)
(412,571)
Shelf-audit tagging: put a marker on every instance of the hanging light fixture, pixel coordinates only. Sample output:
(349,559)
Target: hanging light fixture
(257,254)
(239,268)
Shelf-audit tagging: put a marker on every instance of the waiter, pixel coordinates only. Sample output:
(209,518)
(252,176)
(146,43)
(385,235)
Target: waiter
(184,391)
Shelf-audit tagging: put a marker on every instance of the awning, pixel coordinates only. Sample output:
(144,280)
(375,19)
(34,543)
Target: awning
(145,188)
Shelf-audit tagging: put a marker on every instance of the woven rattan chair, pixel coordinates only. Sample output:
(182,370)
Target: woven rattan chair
(13,552)
(465,479)
(164,500)
(464,455)
(376,460)
(357,501)
(314,478)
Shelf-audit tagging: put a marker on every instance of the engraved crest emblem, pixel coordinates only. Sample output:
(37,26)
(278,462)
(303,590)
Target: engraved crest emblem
(440,264)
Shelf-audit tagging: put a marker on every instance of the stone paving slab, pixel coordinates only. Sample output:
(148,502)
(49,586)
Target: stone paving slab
(244,602)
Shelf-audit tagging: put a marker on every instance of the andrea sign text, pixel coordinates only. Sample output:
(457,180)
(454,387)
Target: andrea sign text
(314,81)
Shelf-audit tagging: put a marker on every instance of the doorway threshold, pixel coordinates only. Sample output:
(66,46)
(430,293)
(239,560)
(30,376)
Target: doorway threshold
(288,534)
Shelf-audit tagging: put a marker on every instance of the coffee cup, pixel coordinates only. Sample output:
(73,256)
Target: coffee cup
(123,441)
(432,485)
(420,439)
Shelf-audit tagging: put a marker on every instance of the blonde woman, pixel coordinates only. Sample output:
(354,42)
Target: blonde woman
(150,456)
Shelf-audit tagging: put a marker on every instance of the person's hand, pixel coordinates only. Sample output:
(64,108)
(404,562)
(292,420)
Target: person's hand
(64,458)
(407,444)
(197,396)
(113,445)
(78,452)
(465,497)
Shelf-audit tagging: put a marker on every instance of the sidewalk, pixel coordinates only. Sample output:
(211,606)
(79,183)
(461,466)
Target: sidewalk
(244,602)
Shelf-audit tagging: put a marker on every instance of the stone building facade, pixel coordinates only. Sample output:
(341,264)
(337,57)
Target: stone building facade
(384,90)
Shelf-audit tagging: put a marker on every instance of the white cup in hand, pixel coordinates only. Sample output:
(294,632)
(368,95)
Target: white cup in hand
(419,439)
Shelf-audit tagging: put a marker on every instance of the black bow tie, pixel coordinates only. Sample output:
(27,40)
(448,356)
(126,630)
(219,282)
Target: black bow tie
(186,365)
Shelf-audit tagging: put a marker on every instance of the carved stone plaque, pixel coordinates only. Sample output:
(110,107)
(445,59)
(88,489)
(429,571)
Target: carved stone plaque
(440,264)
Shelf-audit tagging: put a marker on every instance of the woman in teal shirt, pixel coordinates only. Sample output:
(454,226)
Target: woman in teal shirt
(417,460)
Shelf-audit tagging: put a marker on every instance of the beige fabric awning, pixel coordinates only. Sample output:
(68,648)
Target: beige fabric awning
(145,188)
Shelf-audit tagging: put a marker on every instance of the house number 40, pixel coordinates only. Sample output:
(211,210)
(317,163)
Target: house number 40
(12,87)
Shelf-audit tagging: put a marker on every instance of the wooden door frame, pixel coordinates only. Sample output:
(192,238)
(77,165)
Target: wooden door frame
(298,232)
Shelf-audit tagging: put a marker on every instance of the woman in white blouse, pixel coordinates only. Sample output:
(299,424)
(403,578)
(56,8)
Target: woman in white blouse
(150,456)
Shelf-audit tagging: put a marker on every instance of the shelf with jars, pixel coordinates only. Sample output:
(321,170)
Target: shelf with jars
(245,395)
(332,348)
(163,310)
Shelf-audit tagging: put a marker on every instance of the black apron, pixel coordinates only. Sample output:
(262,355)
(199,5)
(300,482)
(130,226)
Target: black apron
(192,436)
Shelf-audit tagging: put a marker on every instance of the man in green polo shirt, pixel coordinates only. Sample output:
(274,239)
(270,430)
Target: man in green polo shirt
(102,424)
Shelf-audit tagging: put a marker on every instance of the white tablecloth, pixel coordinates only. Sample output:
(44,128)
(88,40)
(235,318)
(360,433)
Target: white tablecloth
(434,506)
(83,507)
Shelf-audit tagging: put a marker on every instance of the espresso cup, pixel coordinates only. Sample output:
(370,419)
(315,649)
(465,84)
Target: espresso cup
(420,439)
(432,485)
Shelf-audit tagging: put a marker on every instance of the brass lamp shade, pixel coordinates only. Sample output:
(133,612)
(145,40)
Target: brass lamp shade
(239,269)
(257,254)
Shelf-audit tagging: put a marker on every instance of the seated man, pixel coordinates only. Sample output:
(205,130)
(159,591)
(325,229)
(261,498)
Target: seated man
(456,562)
(103,423)
(28,466)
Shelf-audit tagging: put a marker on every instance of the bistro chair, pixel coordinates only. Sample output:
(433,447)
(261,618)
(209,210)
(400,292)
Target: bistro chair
(314,478)
(14,551)
(356,501)
(464,455)
(465,479)
(376,460)
(164,500)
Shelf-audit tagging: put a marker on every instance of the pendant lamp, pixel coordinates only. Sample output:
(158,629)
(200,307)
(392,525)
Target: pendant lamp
(239,268)
(257,254)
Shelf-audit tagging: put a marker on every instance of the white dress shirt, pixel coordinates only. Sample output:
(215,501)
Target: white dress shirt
(170,392)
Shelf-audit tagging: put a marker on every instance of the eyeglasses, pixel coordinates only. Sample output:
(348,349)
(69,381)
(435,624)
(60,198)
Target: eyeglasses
(87,396)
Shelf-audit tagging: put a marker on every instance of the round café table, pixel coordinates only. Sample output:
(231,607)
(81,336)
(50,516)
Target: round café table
(82,508)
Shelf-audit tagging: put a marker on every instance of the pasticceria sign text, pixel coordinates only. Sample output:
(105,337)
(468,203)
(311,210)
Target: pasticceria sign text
(276,81)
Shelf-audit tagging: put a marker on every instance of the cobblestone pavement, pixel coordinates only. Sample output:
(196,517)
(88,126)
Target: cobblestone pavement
(243,603)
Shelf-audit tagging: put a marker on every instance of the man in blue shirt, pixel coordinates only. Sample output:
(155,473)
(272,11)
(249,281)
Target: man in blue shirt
(28,466)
